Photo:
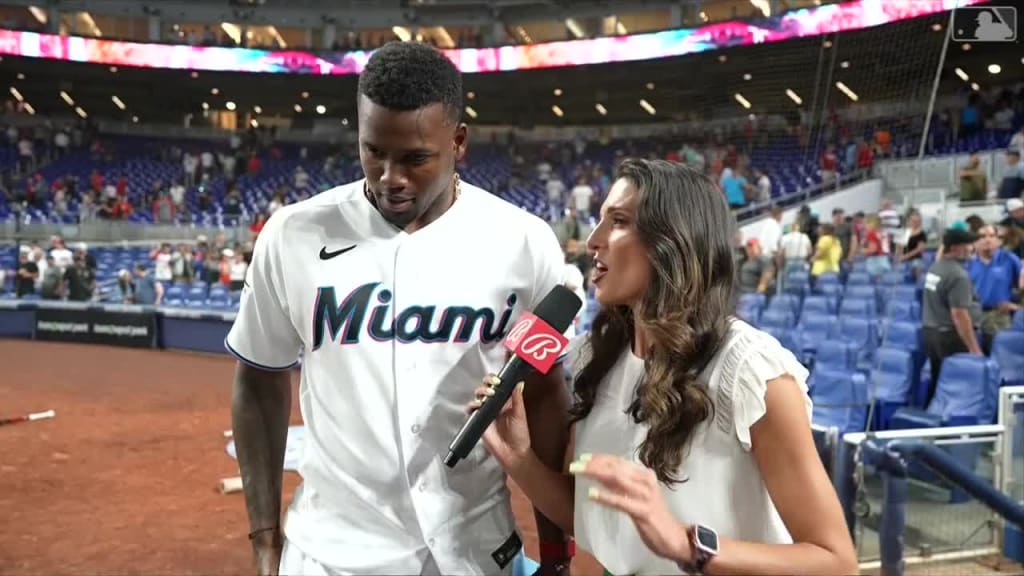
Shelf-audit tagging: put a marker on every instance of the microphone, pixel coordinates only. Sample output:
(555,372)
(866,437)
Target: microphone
(536,342)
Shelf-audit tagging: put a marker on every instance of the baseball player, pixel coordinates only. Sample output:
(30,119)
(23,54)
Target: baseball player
(396,290)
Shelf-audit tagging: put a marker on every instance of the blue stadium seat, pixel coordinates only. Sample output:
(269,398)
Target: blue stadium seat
(1008,353)
(858,278)
(858,307)
(1018,320)
(781,318)
(817,304)
(840,399)
(890,384)
(904,310)
(836,354)
(813,329)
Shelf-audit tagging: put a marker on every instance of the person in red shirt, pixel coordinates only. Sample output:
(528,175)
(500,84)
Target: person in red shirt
(122,209)
(873,247)
(865,155)
(256,227)
(829,165)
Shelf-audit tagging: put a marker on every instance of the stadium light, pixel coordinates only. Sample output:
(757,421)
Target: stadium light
(574,27)
(135,119)
(113,69)
(21,76)
(743,101)
(649,86)
(647,106)
(17,95)
(80,112)
(28,108)
(558,111)
(229,105)
(321,109)
(975,87)
(120,103)
(601,109)
(206,105)
(305,95)
(470,95)
(846,90)
(558,92)
(994,68)
(844,64)
(257,109)
(747,77)
(214,91)
(963,75)
(254,123)
(471,112)
(620,28)
(297,108)
(794,97)
(67,98)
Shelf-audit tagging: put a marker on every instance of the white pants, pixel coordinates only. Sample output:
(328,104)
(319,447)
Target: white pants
(295,562)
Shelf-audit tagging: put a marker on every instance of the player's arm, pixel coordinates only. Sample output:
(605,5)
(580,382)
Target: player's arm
(546,399)
(266,344)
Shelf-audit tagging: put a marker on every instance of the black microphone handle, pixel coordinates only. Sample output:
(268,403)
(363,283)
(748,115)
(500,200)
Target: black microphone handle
(512,373)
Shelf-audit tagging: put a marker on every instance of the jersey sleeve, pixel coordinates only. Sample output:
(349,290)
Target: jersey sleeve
(549,266)
(263,335)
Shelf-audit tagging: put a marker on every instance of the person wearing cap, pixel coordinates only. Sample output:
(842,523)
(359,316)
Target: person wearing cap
(948,300)
(996,275)
(755,271)
(1011,228)
(148,291)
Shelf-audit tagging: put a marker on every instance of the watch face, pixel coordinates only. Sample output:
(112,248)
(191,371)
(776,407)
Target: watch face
(707,538)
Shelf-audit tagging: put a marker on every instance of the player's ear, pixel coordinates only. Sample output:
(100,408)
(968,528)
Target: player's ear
(460,140)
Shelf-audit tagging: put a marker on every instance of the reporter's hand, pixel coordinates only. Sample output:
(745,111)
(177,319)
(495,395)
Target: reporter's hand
(508,437)
(267,550)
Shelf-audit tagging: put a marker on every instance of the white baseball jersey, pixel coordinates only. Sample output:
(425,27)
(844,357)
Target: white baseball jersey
(395,331)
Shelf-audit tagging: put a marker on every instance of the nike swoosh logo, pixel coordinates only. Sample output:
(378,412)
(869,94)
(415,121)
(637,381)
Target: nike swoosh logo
(325,255)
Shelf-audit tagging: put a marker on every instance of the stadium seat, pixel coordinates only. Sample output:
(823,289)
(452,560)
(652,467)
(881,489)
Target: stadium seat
(1008,353)
(813,329)
(836,354)
(1018,320)
(904,310)
(840,399)
(857,307)
(817,304)
(780,318)
(858,278)
(890,384)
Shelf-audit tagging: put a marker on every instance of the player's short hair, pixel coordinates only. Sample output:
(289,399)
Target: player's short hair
(410,75)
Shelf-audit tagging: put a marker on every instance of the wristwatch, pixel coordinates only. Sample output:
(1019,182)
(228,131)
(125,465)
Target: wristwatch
(704,544)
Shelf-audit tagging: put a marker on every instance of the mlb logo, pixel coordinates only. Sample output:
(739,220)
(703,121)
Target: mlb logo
(985,24)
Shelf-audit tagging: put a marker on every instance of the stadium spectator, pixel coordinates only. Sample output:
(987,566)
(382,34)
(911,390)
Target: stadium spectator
(914,242)
(1012,185)
(182,261)
(257,225)
(891,222)
(794,249)
(163,208)
(122,209)
(873,247)
(827,252)
(276,202)
(52,285)
(770,233)
(756,273)
(973,181)
(735,186)
(997,276)
(842,230)
(233,203)
(582,195)
(62,257)
(26,155)
(948,326)
(27,274)
(764,186)
(146,290)
(161,257)
(555,190)
(577,255)
(829,166)
(865,155)
(81,281)
(237,267)
(1017,141)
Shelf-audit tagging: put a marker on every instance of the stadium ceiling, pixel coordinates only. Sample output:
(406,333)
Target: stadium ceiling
(894,63)
(354,14)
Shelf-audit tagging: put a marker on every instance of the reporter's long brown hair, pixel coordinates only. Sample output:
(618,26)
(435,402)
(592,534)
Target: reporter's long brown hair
(687,229)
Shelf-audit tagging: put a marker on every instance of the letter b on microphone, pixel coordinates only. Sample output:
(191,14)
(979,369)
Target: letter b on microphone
(536,342)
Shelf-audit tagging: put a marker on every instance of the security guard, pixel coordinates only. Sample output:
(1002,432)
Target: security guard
(948,302)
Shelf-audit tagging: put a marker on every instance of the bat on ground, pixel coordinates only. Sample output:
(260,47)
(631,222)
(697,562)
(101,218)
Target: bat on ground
(28,418)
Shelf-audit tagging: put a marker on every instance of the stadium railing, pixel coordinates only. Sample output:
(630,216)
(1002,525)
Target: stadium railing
(882,491)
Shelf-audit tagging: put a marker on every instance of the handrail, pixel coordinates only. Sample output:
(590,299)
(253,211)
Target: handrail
(893,460)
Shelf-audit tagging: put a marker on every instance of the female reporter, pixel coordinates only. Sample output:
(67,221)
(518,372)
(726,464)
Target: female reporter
(692,441)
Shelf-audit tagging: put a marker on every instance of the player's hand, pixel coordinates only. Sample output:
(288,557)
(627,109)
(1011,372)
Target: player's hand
(268,554)
(508,437)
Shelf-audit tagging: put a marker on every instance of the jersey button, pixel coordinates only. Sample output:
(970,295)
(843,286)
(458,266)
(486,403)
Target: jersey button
(415,429)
